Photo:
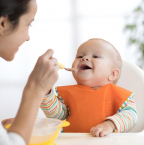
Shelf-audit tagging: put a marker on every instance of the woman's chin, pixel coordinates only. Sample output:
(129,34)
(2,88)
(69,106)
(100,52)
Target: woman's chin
(10,58)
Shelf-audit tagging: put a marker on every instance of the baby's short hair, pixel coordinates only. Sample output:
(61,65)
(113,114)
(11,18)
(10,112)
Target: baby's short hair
(117,60)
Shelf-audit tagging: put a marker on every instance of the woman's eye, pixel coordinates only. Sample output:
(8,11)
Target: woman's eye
(95,56)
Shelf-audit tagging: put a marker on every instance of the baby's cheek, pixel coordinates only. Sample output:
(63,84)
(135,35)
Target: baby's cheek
(74,74)
(74,64)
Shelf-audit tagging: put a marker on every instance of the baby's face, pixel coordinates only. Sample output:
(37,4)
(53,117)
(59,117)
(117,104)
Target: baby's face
(94,61)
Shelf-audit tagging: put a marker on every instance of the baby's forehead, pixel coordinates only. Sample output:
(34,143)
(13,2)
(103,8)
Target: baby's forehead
(96,46)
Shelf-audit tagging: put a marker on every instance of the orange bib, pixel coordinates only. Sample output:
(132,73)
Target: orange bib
(90,107)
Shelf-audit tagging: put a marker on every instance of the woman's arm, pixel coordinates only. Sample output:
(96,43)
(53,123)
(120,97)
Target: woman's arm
(39,83)
(24,121)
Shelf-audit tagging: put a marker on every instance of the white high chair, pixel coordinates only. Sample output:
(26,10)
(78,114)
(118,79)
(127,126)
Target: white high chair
(132,78)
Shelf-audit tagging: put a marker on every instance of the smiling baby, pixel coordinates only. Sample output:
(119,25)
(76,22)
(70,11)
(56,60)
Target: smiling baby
(95,104)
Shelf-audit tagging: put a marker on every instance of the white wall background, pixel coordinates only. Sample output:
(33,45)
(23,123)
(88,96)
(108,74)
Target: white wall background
(63,25)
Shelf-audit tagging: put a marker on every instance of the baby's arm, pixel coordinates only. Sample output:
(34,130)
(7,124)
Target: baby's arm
(123,121)
(53,107)
(126,118)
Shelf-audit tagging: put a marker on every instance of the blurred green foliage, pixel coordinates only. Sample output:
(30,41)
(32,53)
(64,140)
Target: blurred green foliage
(135,30)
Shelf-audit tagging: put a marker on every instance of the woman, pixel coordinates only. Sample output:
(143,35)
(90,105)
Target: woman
(15,18)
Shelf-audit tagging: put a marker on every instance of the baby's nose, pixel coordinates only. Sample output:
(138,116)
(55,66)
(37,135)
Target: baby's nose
(85,58)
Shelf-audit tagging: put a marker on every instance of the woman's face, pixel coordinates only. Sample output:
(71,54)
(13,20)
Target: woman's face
(11,40)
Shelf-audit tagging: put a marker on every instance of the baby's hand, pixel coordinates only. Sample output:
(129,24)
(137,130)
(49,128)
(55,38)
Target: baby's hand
(103,129)
(7,121)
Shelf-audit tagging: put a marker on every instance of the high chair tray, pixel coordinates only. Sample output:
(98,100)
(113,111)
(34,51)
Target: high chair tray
(112,139)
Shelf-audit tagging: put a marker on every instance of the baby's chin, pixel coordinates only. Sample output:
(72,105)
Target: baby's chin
(88,84)
(92,84)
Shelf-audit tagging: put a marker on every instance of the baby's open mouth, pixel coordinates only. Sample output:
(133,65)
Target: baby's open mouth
(85,67)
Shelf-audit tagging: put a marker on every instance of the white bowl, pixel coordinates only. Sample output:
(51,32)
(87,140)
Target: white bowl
(45,130)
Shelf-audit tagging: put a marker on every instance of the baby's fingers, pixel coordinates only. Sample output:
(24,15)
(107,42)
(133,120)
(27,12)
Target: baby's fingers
(96,131)
(103,133)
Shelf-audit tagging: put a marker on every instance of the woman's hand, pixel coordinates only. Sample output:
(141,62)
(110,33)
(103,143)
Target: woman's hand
(40,81)
(7,121)
(44,75)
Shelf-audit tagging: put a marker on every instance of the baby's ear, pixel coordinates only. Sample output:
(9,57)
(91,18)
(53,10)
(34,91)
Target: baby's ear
(114,75)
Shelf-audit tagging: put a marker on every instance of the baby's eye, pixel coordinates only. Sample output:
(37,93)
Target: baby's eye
(95,56)
(79,56)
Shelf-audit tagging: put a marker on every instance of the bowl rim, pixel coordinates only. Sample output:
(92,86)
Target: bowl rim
(49,127)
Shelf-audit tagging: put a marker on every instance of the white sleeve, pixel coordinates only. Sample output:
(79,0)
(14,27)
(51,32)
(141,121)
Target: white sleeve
(10,138)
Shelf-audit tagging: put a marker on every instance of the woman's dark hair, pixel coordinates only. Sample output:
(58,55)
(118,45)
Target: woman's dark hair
(13,9)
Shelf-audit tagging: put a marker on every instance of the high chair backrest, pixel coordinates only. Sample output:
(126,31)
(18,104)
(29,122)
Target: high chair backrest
(132,78)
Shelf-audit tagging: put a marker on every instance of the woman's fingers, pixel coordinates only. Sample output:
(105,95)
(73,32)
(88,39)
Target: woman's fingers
(45,73)
(7,121)
(48,54)
(52,61)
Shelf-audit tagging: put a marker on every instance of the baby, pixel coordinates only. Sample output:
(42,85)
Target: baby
(95,104)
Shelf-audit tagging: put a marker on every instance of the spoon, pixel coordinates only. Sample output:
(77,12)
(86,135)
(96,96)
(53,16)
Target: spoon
(68,69)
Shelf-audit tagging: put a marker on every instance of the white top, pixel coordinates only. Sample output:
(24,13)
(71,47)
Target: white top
(10,138)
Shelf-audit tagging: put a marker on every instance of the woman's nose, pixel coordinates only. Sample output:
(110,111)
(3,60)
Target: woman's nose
(85,58)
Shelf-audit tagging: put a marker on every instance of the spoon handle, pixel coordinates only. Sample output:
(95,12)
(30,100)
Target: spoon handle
(63,67)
